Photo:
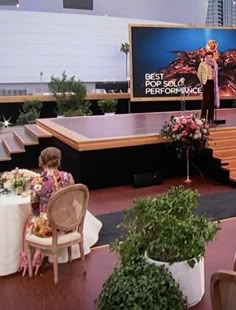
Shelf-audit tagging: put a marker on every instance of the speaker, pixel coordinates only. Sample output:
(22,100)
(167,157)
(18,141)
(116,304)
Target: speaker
(147,179)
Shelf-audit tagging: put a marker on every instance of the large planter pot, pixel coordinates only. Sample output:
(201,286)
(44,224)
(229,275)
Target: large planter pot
(191,280)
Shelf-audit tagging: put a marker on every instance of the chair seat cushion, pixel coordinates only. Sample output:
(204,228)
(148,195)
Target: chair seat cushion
(62,238)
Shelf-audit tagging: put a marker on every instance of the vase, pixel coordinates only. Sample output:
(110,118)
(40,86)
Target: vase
(191,280)
(19,190)
(187,180)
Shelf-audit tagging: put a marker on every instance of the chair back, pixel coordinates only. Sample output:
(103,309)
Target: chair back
(223,290)
(67,208)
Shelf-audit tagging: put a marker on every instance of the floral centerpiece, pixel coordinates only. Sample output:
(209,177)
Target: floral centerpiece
(189,133)
(17,178)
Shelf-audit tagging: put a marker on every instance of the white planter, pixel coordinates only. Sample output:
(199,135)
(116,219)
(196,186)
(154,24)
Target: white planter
(191,280)
(109,113)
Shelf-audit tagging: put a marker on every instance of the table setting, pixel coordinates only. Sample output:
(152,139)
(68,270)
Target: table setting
(14,211)
(15,208)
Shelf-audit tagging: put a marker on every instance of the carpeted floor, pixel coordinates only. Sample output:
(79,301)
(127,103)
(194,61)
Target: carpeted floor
(216,207)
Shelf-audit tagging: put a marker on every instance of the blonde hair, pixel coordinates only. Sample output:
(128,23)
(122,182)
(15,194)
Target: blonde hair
(50,157)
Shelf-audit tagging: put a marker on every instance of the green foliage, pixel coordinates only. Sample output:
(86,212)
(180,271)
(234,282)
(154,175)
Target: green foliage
(70,95)
(30,111)
(167,227)
(124,48)
(84,109)
(19,182)
(107,105)
(141,286)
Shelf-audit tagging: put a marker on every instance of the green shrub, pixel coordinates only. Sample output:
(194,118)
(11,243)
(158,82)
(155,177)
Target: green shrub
(141,286)
(70,95)
(107,105)
(167,227)
(30,112)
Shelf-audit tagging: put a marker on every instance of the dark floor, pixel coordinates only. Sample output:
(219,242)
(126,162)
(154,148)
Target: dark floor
(77,292)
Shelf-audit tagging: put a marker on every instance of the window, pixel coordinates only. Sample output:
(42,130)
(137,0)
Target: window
(78,4)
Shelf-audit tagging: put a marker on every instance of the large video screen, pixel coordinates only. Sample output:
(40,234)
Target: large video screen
(164,61)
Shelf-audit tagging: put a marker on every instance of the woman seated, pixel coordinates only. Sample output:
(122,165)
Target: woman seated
(42,188)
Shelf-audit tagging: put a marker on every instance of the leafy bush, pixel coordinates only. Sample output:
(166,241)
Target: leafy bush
(69,93)
(30,112)
(167,227)
(141,286)
(84,109)
(107,105)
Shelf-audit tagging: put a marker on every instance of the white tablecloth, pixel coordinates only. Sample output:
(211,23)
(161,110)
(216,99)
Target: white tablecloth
(14,211)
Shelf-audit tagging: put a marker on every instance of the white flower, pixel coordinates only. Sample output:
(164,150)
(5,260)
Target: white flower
(8,184)
(37,187)
(199,122)
(195,137)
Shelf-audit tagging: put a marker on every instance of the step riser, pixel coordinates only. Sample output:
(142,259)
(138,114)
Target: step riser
(14,142)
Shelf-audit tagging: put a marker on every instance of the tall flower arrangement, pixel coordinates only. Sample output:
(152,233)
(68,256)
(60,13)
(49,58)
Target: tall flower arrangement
(188,132)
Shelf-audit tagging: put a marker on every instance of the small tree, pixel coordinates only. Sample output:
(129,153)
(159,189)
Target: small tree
(70,95)
(125,49)
(30,112)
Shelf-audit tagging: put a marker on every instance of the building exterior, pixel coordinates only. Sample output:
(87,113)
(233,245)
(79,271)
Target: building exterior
(221,13)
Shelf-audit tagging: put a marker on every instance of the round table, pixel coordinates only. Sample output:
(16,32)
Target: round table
(14,211)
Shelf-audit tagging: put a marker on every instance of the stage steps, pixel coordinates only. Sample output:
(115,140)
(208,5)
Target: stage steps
(16,140)
(223,144)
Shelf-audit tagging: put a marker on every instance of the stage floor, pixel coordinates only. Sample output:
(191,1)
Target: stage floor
(119,130)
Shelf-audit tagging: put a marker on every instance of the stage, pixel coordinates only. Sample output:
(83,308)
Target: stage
(108,150)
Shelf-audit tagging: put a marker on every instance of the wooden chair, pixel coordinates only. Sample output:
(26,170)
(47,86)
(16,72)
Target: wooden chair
(223,290)
(66,213)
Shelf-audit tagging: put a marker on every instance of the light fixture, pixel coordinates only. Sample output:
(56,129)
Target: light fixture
(17,4)
(6,122)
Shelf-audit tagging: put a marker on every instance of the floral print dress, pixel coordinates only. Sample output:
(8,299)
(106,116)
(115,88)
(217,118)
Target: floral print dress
(42,188)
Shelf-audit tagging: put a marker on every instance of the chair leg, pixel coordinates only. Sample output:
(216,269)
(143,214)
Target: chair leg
(81,248)
(29,261)
(234,266)
(70,253)
(55,268)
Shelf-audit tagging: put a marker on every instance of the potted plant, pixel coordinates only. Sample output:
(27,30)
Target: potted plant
(141,286)
(82,110)
(167,231)
(108,105)
(30,112)
(70,95)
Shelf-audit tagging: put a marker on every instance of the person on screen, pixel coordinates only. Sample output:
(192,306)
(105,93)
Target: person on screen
(207,74)
(212,46)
